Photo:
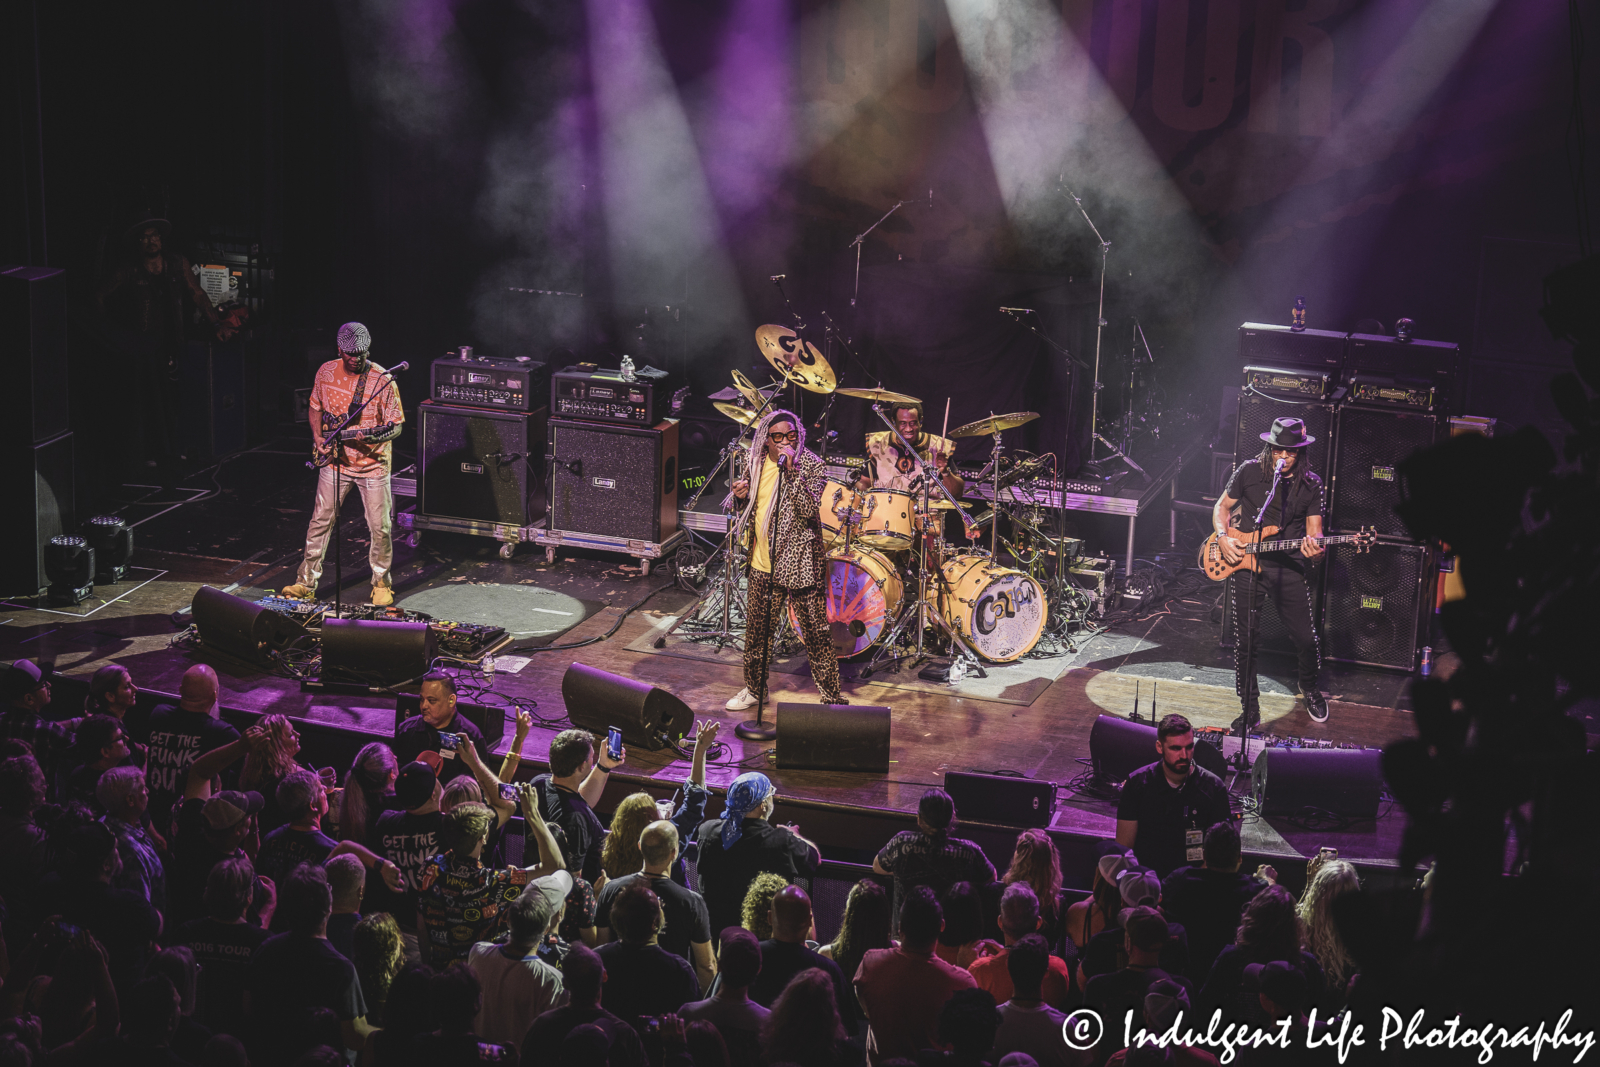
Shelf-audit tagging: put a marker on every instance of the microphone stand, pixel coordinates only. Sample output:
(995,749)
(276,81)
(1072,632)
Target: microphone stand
(329,441)
(1072,386)
(758,729)
(862,236)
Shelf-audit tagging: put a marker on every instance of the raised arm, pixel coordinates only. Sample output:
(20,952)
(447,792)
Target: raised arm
(550,860)
(208,766)
(487,782)
(513,756)
(372,861)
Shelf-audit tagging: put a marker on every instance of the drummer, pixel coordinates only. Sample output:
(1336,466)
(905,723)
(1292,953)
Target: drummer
(890,467)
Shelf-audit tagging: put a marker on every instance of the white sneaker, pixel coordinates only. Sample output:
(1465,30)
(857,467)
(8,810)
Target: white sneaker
(742,699)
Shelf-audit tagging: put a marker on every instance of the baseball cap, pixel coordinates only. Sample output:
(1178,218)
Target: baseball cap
(224,810)
(413,787)
(555,888)
(1283,984)
(1163,1000)
(1137,885)
(24,676)
(1113,861)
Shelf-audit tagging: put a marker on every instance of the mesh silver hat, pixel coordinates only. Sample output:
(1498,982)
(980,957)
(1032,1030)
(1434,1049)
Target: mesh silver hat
(353,338)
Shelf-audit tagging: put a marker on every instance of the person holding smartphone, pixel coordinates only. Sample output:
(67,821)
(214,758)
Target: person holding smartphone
(567,795)
(422,733)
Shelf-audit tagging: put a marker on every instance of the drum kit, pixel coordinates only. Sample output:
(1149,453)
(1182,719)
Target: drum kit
(892,577)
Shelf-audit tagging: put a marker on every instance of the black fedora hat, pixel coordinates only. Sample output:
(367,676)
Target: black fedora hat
(1288,433)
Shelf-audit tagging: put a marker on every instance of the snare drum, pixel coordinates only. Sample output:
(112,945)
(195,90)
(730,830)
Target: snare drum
(999,612)
(863,594)
(887,522)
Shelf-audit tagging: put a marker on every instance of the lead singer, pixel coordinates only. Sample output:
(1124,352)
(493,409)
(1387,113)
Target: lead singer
(786,561)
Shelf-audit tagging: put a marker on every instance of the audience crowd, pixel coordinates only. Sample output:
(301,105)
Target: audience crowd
(176,892)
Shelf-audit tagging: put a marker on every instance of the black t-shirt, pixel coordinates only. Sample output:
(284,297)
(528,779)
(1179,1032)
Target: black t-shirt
(582,827)
(415,736)
(286,848)
(1166,814)
(1113,994)
(1106,951)
(1298,497)
(223,951)
(408,841)
(725,874)
(1208,904)
(782,960)
(687,920)
(176,738)
(645,980)
(541,1046)
(192,859)
(342,933)
(457,1050)
(121,920)
(293,974)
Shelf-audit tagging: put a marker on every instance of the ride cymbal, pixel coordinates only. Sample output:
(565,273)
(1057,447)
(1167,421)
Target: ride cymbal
(798,361)
(879,396)
(993,424)
(743,416)
(747,388)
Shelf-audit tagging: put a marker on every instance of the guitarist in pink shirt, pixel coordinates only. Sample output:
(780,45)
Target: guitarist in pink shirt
(361,457)
(1295,511)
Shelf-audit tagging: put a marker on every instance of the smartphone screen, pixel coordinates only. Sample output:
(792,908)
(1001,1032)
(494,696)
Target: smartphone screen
(508,791)
(614,742)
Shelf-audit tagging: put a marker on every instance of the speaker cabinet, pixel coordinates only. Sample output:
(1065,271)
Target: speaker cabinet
(33,352)
(1279,346)
(490,721)
(375,653)
(615,480)
(36,480)
(1300,781)
(1376,604)
(1271,634)
(1256,415)
(243,628)
(480,465)
(1373,442)
(1001,799)
(647,715)
(833,737)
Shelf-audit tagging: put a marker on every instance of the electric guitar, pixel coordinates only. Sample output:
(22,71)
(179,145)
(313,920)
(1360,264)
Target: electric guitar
(1217,568)
(321,459)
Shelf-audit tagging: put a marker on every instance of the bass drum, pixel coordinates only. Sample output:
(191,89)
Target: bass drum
(999,612)
(863,595)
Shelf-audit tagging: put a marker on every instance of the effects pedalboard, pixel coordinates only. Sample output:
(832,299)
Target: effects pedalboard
(461,640)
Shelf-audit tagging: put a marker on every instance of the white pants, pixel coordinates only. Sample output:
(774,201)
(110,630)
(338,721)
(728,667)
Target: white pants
(378,504)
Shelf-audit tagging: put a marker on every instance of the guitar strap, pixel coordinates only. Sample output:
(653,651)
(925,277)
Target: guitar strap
(355,402)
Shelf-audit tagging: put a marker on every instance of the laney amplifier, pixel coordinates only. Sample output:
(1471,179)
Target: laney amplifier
(1403,392)
(1311,383)
(490,382)
(589,393)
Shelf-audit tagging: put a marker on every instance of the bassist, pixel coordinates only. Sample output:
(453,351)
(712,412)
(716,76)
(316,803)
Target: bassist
(1296,509)
(342,385)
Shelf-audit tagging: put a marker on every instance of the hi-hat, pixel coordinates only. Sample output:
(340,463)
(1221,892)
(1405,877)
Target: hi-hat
(941,504)
(743,416)
(798,361)
(879,396)
(993,424)
(748,390)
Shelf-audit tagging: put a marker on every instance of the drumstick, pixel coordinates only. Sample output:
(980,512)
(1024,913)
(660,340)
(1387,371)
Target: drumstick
(946,425)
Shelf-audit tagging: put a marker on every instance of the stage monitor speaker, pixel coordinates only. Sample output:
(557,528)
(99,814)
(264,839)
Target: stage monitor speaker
(243,628)
(646,714)
(481,465)
(1256,415)
(33,352)
(1365,487)
(615,480)
(1118,747)
(1279,346)
(1295,782)
(490,721)
(1001,799)
(833,737)
(36,481)
(1376,604)
(374,653)
(1271,634)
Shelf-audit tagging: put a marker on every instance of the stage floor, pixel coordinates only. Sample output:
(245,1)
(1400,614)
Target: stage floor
(1171,654)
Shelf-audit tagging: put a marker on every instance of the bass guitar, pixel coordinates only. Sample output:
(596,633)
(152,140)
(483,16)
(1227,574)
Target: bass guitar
(381,432)
(1216,567)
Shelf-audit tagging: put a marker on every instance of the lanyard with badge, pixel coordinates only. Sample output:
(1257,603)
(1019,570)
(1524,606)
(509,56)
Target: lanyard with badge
(1194,837)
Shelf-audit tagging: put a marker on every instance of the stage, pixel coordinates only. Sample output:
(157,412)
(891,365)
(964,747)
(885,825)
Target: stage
(1170,657)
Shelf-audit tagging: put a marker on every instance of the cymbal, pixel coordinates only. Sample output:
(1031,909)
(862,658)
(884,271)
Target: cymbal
(993,424)
(757,397)
(798,361)
(743,416)
(941,504)
(879,396)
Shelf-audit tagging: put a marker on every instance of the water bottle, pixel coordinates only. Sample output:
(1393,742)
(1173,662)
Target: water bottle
(1427,661)
(487,665)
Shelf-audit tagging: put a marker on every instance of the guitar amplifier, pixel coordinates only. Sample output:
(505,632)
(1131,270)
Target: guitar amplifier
(514,384)
(589,393)
(1402,392)
(1264,344)
(1433,363)
(1310,383)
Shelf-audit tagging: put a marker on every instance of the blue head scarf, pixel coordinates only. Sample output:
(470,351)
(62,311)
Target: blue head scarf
(744,796)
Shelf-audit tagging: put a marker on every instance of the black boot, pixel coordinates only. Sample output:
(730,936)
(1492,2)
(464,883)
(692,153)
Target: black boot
(1247,722)
(1316,705)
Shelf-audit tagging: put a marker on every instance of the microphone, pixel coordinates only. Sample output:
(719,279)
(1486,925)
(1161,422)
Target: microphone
(1018,311)
(783,461)
(777,277)
(1277,468)
(398,367)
